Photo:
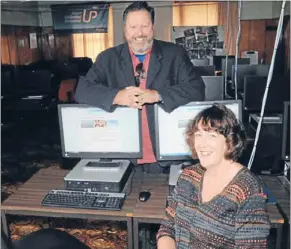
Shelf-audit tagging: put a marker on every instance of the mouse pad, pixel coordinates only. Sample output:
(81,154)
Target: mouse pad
(271,198)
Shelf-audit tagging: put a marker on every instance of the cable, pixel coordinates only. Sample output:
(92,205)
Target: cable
(237,48)
(226,58)
(270,75)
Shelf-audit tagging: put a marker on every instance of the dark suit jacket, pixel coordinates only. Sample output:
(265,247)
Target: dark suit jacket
(170,72)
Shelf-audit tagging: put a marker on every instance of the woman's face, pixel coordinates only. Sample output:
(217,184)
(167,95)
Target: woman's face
(210,147)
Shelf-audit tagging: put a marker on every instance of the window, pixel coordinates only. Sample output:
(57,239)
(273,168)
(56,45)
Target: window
(91,44)
(195,14)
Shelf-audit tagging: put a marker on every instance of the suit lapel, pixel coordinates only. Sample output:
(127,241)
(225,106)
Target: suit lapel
(126,66)
(155,63)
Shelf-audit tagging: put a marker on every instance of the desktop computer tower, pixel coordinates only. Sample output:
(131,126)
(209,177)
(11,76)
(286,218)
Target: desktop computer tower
(268,151)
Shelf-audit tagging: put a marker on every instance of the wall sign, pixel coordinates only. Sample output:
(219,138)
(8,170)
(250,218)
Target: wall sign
(89,18)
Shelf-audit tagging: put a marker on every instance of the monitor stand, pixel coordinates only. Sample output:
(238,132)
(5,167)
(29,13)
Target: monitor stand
(110,179)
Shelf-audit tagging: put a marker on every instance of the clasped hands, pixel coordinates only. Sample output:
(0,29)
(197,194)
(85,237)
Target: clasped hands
(135,97)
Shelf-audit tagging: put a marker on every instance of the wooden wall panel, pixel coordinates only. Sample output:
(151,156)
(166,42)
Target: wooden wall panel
(244,37)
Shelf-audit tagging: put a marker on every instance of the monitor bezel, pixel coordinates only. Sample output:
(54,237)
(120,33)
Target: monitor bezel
(184,157)
(286,115)
(97,155)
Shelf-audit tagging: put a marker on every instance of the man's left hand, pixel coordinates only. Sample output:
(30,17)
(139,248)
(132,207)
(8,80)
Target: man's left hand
(148,96)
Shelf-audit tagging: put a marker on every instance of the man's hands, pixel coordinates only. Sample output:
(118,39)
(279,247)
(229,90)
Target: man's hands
(136,97)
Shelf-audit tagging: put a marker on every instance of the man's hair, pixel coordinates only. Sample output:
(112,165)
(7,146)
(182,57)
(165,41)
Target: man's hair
(137,6)
(220,119)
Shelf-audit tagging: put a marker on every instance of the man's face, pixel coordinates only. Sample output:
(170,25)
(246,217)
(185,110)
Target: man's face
(139,31)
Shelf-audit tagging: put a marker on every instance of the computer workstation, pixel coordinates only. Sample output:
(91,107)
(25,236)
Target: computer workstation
(105,142)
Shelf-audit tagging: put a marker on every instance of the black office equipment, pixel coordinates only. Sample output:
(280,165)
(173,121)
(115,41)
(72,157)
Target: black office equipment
(205,70)
(83,199)
(230,63)
(213,87)
(33,82)
(248,70)
(242,71)
(144,195)
(254,89)
(217,61)
(286,133)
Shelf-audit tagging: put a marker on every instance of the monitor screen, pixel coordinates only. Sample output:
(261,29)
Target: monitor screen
(242,71)
(213,87)
(254,90)
(205,70)
(230,63)
(92,133)
(286,133)
(170,128)
(217,61)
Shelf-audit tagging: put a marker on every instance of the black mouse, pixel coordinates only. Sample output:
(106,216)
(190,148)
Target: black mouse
(144,195)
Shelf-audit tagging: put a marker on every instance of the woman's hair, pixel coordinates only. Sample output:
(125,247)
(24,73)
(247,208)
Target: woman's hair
(220,119)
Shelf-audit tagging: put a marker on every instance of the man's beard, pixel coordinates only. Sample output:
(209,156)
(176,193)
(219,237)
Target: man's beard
(145,48)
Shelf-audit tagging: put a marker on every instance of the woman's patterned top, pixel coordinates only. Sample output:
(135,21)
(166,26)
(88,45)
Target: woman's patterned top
(235,218)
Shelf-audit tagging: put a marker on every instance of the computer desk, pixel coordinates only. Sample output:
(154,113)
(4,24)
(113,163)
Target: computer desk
(153,211)
(27,201)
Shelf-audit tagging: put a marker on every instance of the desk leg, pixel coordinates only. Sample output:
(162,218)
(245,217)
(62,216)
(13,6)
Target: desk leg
(279,234)
(135,233)
(129,233)
(5,225)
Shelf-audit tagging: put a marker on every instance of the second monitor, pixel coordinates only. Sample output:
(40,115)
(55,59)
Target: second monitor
(170,127)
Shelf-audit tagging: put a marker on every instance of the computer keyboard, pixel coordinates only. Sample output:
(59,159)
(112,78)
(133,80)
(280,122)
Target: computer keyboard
(82,199)
(103,164)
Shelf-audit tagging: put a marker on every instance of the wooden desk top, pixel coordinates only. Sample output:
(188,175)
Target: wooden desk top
(154,208)
(29,196)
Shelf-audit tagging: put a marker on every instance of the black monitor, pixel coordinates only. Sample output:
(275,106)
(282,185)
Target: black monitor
(262,70)
(217,61)
(33,81)
(254,89)
(91,133)
(230,63)
(213,87)
(170,127)
(286,132)
(242,71)
(205,70)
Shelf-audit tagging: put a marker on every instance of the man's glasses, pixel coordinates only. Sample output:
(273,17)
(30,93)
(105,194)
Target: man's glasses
(140,73)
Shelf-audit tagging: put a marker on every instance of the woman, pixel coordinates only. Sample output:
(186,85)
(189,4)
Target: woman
(217,203)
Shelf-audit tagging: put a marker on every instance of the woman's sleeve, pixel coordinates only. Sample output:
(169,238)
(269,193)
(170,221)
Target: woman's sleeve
(252,223)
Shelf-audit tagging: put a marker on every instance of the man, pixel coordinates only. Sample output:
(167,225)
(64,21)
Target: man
(139,73)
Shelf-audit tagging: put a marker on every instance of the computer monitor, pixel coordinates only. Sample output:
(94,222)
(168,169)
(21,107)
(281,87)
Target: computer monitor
(213,87)
(205,70)
(170,128)
(91,133)
(33,81)
(254,90)
(217,61)
(286,133)
(230,63)
(242,71)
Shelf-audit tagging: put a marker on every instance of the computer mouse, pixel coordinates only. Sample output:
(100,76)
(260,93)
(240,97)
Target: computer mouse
(144,195)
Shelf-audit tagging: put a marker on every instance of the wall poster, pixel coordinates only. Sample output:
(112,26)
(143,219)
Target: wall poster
(200,41)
